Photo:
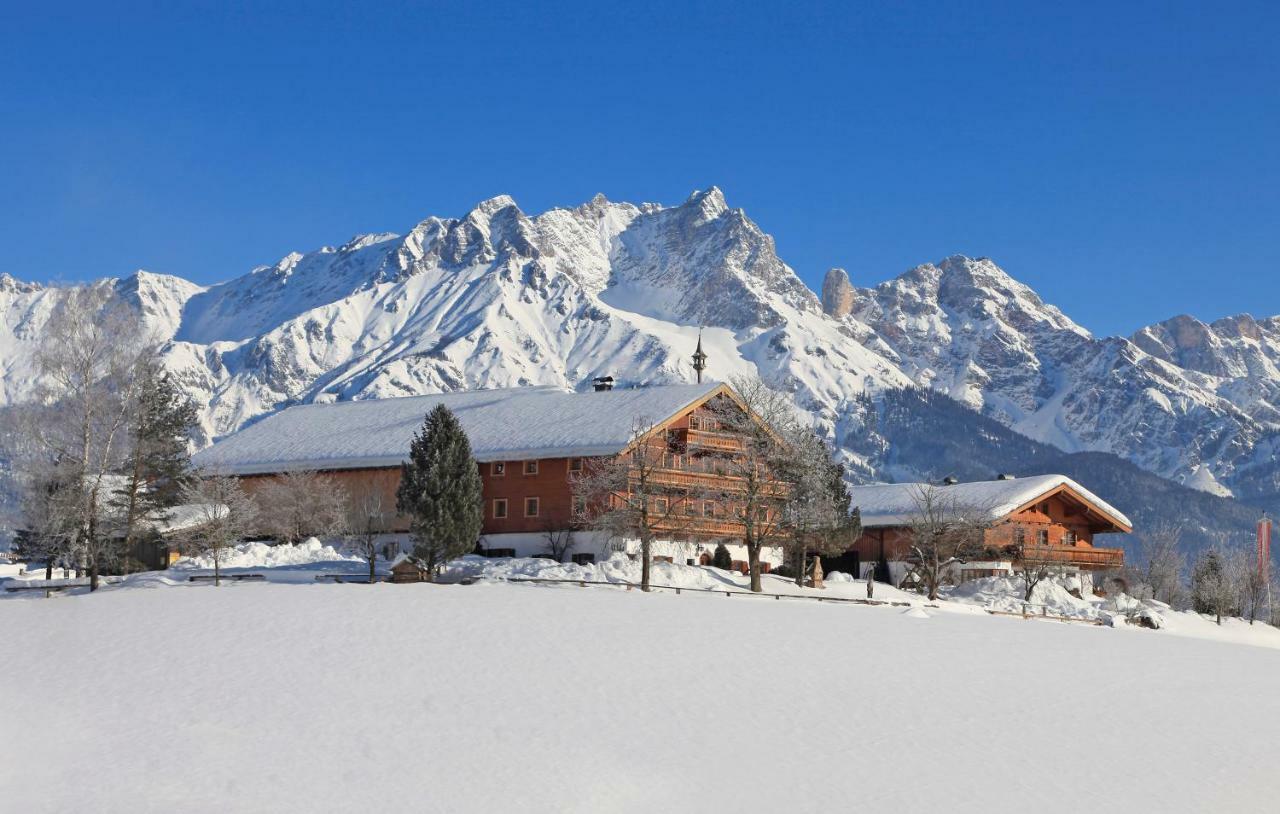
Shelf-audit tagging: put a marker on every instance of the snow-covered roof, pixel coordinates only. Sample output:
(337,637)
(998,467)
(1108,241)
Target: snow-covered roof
(185,516)
(894,504)
(511,424)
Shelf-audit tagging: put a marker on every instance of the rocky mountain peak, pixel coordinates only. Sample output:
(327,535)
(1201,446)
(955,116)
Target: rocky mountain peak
(12,285)
(708,204)
(837,293)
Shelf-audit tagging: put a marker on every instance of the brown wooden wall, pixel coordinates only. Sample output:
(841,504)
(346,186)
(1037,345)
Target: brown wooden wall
(551,484)
(1056,515)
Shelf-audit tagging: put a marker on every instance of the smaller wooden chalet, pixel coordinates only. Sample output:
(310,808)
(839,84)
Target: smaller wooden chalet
(1049,517)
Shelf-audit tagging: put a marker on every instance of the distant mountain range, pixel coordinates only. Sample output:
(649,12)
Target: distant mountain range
(499,298)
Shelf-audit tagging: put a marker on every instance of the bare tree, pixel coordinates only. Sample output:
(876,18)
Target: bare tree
(627,496)
(1254,579)
(368,519)
(88,365)
(762,419)
(301,504)
(1034,564)
(1162,562)
(225,515)
(944,531)
(1218,578)
(559,535)
(816,512)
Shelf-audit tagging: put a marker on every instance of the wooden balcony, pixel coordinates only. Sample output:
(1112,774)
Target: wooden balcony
(716,441)
(1083,557)
(703,527)
(709,482)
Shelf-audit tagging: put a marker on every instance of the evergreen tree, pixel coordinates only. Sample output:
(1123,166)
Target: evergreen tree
(157,472)
(721,557)
(440,491)
(1205,577)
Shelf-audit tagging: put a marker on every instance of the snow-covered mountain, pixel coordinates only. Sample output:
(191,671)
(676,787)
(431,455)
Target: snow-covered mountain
(1194,403)
(498,298)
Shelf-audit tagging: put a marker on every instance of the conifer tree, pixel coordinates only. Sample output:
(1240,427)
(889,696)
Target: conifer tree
(157,471)
(721,558)
(440,491)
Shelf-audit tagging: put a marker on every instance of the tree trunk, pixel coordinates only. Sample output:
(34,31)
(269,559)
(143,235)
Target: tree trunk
(48,570)
(646,562)
(753,562)
(373,558)
(798,564)
(217,573)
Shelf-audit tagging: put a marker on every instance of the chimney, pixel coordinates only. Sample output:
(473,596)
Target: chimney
(949,480)
(603,383)
(1004,476)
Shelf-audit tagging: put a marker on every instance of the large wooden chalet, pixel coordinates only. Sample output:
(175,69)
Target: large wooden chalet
(530,443)
(1046,518)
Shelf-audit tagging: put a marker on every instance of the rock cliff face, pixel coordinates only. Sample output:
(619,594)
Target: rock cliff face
(837,293)
(498,297)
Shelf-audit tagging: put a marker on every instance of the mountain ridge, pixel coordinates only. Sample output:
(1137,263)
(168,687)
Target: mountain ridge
(501,298)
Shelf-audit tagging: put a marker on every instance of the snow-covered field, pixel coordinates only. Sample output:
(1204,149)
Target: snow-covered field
(496,696)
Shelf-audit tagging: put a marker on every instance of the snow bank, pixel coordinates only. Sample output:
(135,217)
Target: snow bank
(619,568)
(1005,594)
(263,555)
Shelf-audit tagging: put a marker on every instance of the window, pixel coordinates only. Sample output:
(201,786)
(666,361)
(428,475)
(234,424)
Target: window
(660,504)
(693,422)
(530,507)
(708,508)
(575,464)
(1019,535)
(531,467)
(1069,538)
(1042,537)
(498,468)
(500,508)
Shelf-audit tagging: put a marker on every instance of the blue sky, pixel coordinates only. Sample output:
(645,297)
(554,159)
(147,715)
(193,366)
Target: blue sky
(1119,157)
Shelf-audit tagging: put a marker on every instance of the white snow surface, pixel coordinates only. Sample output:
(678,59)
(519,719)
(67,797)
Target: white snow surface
(894,504)
(527,698)
(503,425)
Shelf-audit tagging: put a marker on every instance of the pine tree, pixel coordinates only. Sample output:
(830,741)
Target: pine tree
(157,472)
(1204,581)
(440,491)
(721,557)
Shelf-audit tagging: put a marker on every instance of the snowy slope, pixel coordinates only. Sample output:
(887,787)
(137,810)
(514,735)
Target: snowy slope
(492,697)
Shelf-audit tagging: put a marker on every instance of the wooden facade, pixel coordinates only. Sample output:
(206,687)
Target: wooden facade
(536,495)
(1057,527)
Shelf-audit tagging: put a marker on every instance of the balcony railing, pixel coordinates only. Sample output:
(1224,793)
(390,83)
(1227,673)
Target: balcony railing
(1072,555)
(702,526)
(719,442)
(707,481)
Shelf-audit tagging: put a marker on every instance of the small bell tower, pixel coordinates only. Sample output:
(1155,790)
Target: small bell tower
(699,358)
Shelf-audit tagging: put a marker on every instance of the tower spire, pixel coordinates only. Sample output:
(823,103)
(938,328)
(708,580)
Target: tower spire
(699,358)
